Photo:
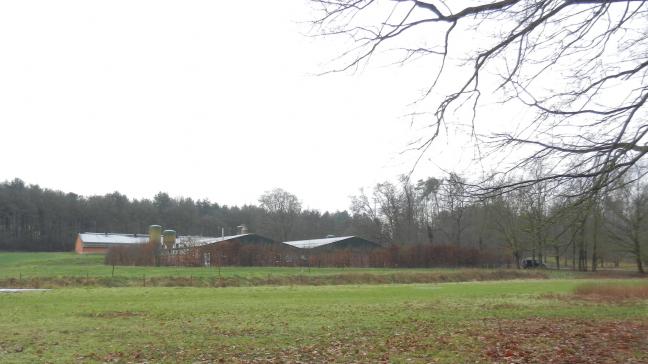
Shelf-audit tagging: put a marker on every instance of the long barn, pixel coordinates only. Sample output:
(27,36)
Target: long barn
(99,243)
(242,249)
(334,243)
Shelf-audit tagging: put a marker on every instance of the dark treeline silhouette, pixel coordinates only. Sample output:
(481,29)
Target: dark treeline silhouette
(33,218)
(545,222)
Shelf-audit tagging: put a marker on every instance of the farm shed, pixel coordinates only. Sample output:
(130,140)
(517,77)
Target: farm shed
(242,249)
(88,243)
(187,242)
(335,243)
(345,251)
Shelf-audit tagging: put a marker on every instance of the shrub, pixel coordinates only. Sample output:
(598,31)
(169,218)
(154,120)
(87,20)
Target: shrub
(136,254)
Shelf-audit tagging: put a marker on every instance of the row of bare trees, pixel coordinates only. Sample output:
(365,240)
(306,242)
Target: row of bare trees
(570,81)
(547,222)
(555,220)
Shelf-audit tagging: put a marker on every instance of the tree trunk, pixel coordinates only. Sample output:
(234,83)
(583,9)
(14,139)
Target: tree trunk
(573,254)
(582,249)
(595,229)
(640,266)
(637,249)
(594,256)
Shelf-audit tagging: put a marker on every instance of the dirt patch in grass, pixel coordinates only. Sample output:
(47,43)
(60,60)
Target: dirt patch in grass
(610,292)
(114,314)
(619,293)
(541,340)
(503,306)
(609,274)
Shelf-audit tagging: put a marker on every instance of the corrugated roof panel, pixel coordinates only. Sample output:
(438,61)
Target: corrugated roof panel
(101,238)
(181,241)
(192,241)
(314,243)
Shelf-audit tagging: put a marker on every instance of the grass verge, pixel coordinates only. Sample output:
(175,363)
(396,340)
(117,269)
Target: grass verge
(308,279)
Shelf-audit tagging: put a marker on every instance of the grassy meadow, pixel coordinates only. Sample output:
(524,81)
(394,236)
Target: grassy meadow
(75,265)
(559,318)
(51,270)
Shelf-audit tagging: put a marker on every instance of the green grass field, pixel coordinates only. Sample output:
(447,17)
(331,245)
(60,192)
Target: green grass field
(533,320)
(72,264)
(48,270)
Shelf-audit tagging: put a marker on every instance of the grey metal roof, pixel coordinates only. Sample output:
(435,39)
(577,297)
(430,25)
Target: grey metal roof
(193,241)
(105,239)
(112,239)
(314,243)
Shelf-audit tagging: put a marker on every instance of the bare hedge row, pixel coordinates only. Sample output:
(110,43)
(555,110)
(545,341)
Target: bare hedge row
(237,254)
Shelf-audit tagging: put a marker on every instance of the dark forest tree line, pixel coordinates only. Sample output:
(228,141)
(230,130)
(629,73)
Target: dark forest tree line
(546,222)
(35,218)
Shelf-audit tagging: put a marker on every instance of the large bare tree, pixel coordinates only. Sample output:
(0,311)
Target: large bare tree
(282,209)
(578,70)
(628,221)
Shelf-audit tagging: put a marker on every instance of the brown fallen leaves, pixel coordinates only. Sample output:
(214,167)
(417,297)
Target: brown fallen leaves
(531,340)
(542,340)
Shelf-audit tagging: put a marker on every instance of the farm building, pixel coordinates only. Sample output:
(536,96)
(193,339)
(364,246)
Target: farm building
(242,249)
(335,243)
(188,242)
(345,251)
(89,243)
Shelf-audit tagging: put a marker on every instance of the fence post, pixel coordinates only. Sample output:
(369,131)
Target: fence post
(144,279)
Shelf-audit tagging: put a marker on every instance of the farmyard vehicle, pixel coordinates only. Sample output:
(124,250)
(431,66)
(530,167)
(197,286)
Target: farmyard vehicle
(529,263)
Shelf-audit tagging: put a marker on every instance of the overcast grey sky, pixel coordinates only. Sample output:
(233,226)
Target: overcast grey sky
(204,99)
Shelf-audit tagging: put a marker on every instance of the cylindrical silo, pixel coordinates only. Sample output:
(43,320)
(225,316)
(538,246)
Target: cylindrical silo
(169,238)
(155,234)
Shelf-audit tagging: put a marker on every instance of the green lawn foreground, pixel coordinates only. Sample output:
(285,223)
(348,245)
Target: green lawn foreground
(507,321)
(446,323)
